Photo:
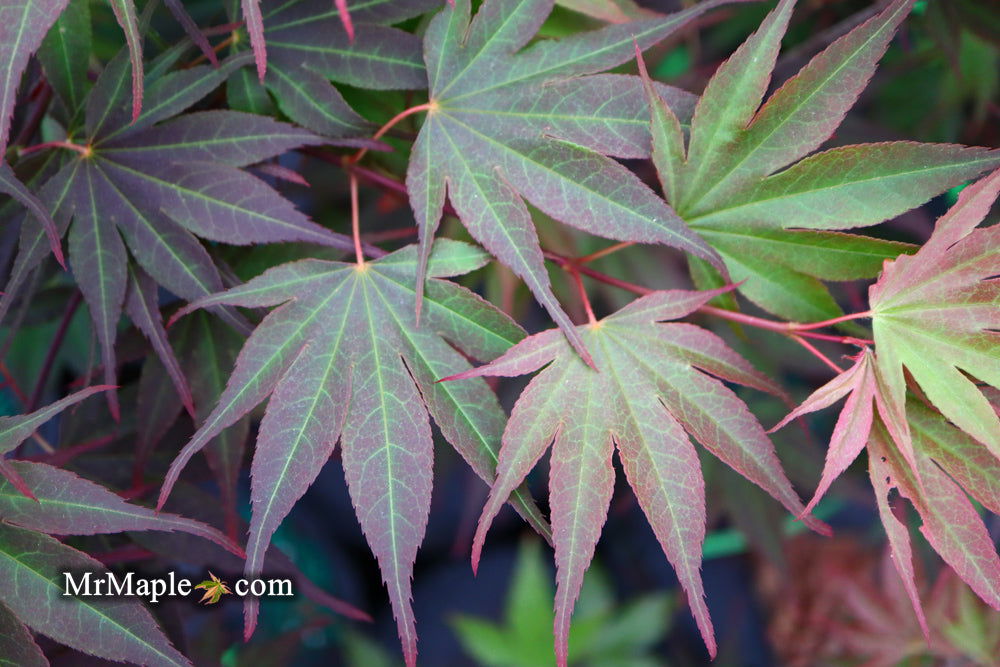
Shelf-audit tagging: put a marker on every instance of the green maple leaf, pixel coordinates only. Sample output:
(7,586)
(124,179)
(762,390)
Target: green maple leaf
(214,588)
(344,359)
(507,123)
(937,313)
(653,386)
(741,183)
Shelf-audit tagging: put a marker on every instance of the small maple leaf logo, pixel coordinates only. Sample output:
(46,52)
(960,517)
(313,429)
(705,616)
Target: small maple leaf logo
(215,588)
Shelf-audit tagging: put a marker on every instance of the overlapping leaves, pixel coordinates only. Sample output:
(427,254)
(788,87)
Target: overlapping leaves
(740,180)
(654,384)
(157,185)
(307,47)
(506,124)
(344,359)
(946,298)
(32,563)
(933,313)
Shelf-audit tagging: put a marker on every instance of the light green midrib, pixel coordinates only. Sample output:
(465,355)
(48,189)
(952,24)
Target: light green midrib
(220,413)
(784,240)
(692,573)
(862,49)
(471,63)
(152,229)
(688,368)
(563,592)
(253,555)
(550,69)
(107,324)
(444,386)
(215,202)
(9,90)
(104,617)
(202,143)
(764,201)
(347,53)
(404,611)
(682,243)
(709,147)
(313,103)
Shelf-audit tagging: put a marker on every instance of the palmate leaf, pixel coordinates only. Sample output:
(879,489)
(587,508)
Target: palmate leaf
(653,386)
(507,123)
(937,314)
(344,359)
(307,47)
(951,524)
(152,186)
(32,586)
(740,183)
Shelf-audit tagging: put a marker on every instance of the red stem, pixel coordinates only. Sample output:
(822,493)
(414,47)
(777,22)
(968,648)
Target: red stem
(816,353)
(14,387)
(50,356)
(576,265)
(68,145)
(575,275)
(356,220)
(392,122)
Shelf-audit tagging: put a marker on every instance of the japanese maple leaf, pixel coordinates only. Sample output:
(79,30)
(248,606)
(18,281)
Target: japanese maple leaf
(933,313)
(344,359)
(255,16)
(306,48)
(157,185)
(741,183)
(505,124)
(36,499)
(951,524)
(214,588)
(652,387)
(937,314)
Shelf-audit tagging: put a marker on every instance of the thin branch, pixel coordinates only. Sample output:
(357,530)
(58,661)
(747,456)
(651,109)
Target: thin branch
(356,221)
(582,291)
(816,353)
(428,106)
(586,259)
(50,356)
(85,151)
(12,383)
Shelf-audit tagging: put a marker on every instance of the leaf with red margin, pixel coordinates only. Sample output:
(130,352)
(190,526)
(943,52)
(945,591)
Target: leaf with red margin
(33,587)
(343,358)
(950,522)
(67,504)
(936,314)
(509,124)
(23,24)
(654,384)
